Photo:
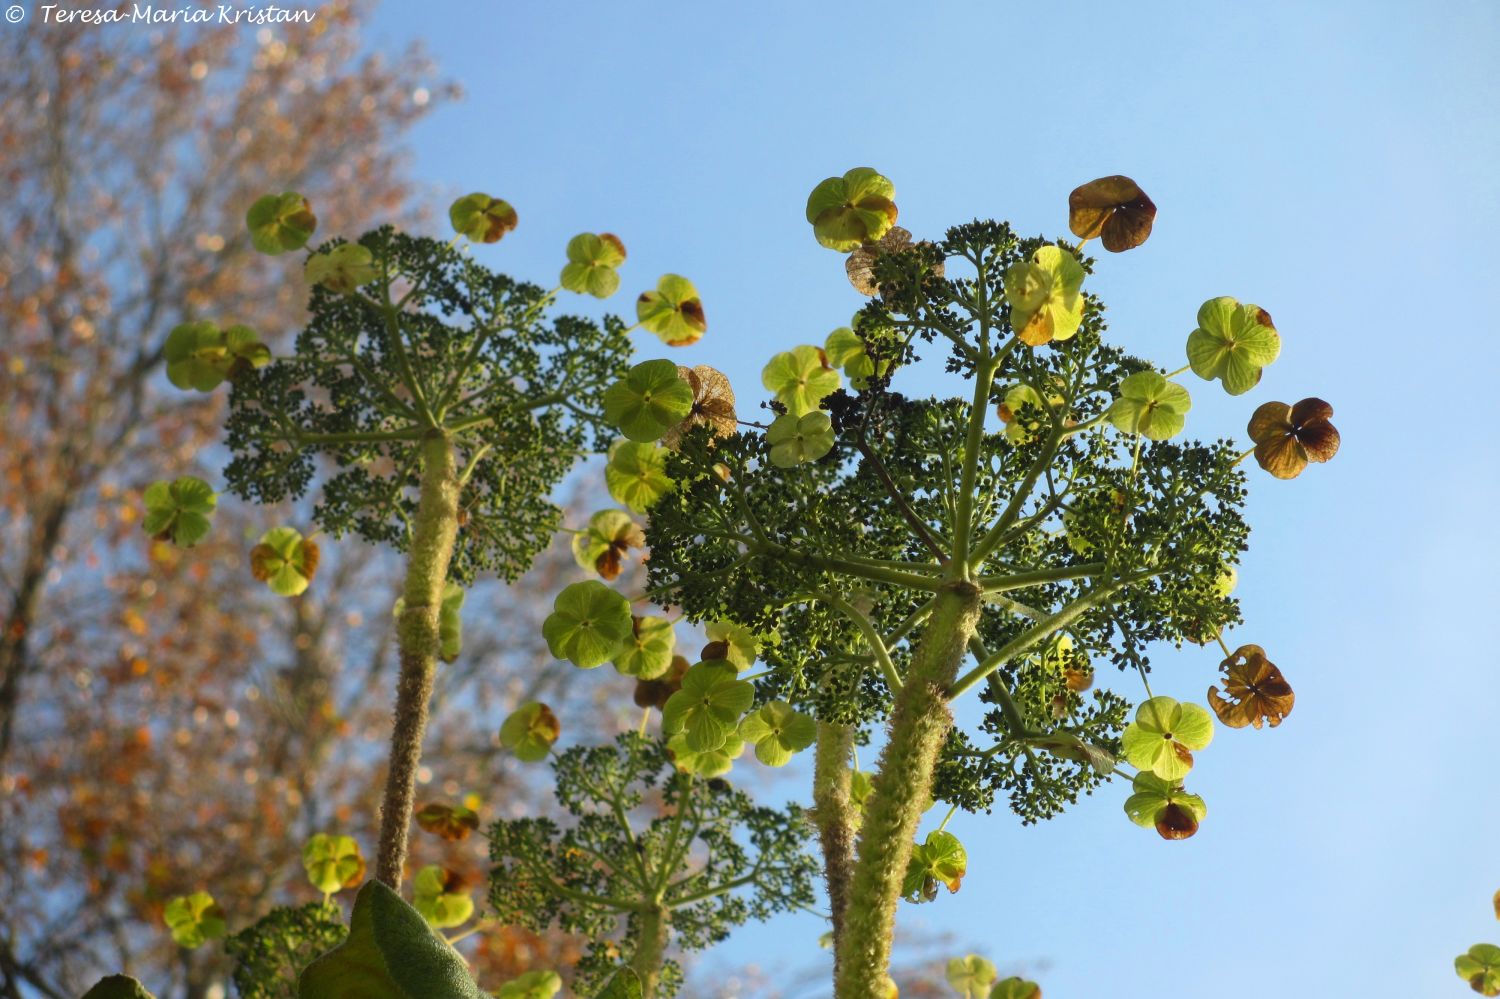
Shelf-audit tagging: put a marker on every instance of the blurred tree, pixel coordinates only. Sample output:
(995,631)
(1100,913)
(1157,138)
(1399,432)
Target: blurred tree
(163,726)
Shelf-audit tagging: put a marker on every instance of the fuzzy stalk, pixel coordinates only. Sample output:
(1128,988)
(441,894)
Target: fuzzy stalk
(920,720)
(834,815)
(433,534)
(650,948)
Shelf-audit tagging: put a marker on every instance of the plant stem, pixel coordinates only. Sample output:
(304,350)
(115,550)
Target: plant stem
(435,529)
(919,723)
(650,945)
(833,813)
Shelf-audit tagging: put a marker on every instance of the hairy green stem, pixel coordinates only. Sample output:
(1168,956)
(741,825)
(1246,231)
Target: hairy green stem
(650,947)
(434,531)
(903,780)
(834,815)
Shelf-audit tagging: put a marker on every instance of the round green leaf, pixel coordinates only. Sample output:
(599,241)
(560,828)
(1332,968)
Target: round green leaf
(779,732)
(651,399)
(195,355)
(673,311)
(1022,424)
(843,347)
(245,350)
(1153,796)
(342,268)
(800,378)
(1151,406)
(332,863)
(482,218)
(1232,343)
(636,474)
(194,919)
(1163,735)
(705,763)
(433,897)
(708,706)
(1016,988)
(1044,297)
(851,210)
(741,645)
(592,260)
(846,350)
(450,822)
(1480,967)
(530,731)
(601,546)
(940,860)
(280,222)
(971,976)
(200,356)
(796,440)
(532,985)
(647,653)
(587,624)
(284,561)
(181,510)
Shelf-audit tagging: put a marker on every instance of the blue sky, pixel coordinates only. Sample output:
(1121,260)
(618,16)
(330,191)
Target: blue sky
(1333,162)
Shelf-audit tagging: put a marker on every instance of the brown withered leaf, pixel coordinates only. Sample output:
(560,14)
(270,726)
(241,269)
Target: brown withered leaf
(1175,822)
(1078,677)
(452,822)
(713,404)
(611,561)
(265,561)
(1497,905)
(1113,207)
(260,562)
(1288,437)
(1255,690)
(308,555)
(654,693)
(860,264)
(453,881)
(714,650)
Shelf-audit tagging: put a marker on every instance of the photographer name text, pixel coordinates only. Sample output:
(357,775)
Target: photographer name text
(152,14)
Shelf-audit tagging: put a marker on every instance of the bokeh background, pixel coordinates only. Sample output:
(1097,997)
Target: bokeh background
(1333,162)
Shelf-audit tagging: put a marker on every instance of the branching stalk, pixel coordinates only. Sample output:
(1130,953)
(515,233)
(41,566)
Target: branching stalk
(903,780)
(435,530)
(833,812)
(650,945)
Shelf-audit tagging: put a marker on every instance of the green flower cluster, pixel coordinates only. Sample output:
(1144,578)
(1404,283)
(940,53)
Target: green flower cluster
(468,351)
(703,862)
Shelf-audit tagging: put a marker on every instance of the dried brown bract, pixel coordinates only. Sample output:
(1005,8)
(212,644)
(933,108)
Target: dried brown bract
(713,404)
(1255,691)
(1288,437)
(1112,207)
